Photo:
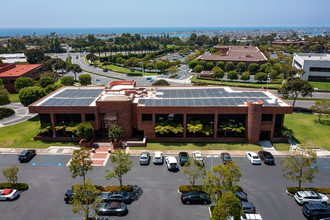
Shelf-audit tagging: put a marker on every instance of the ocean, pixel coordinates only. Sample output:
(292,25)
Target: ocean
(140,30)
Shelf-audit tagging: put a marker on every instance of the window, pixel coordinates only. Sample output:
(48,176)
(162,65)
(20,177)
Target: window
(146,117)
(319,69)
(267,117)
(90,117)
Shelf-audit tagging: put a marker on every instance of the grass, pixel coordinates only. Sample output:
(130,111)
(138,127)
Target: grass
(69,61)
(282,146)
(321,85)
(14,98)
(317,135)
(194,79)
(199,146)
(18,136)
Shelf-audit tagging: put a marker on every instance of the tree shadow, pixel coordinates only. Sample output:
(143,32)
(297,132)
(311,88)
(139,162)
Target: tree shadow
(322,122)
(35,118)
(137,193)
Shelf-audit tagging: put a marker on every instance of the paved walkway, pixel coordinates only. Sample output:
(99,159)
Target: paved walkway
(21,114)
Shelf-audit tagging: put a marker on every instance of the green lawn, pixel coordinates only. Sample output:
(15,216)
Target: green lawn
(321,85)
(14,98)
(21,136)
(194,79)
(199,146)
(282,146)
(69,61)
(317,135)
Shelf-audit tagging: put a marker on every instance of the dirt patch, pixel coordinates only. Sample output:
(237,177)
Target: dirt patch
(5,144)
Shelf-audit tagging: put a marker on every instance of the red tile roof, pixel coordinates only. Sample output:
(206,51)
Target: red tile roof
(18,70)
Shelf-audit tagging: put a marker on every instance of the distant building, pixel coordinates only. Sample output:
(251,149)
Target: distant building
(236,54)
(287,43)
(9,72)
(12,58)
(316,66)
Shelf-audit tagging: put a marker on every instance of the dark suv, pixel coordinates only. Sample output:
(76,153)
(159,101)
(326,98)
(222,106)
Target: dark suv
(26,155)
(266,157)
(316,211)
(68,195)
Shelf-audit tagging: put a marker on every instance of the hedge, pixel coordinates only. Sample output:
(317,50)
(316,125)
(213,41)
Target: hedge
(293,190)
(113,188)
(188,188)
(18,186)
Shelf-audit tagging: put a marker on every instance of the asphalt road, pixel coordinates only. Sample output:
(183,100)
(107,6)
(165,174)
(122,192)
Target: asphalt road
(156,195)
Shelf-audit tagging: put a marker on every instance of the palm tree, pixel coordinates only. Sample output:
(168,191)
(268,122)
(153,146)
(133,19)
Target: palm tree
(194,126)
(105,48)
(92,49)
(99,50)
(225,125)
(237,128)
(162,128)
(207,130)
(176,127)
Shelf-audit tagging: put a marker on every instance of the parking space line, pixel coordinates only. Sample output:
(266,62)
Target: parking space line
(218,160)
(52,158)
(246,161)
(6,159)
(32,159)
(205,163)
(137,161)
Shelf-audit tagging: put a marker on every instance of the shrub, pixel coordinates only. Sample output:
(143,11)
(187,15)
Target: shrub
(198,69)
(85,130)
(188,188)
(173,76)
(29,95)
(192,64)
(232,75)
(293,190)
(229,66)
(161,82)
(221,65)
(209,65)
(245,76)
(85,79)
(18,186)
(241,66)
(261,76)
(253,68)
(23,82)
(67,81)
(45,81)
(218,73)
(52,88)
(6,112)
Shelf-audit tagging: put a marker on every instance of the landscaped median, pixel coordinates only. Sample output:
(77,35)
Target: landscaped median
(126,188)
(6,112)
(17,186)
(188,188)
(293,190)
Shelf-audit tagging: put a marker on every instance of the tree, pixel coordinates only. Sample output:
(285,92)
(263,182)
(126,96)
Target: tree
(161,82)
(81,163)
(245,76)
(241,66)
(198,69)
(23,82)
(221,64)
(34,56)
(45,81)
(29,95)
(11,173)
(237,128)
(162,127)
(228,206)
(321,108)
(67,81)
(161,66)
(298,165)
(173,70)
(218,73)
(52,88)
(131,63)
(122,164)
(176,127)
(294,87)
(194,126)
(115,133)
(209,65)
(261,76)
(202,63)
(232,75)
(60,65)
(1,82)
(86,199)
(194,170)
(85,79)
(229,66)
(273,74)
(75,69)
(85,130)
(4,96)
(253,68)
(192,64)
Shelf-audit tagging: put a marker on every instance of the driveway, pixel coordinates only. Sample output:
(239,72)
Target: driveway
(21,114)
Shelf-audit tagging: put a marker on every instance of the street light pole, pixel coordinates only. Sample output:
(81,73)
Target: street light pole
(267,80)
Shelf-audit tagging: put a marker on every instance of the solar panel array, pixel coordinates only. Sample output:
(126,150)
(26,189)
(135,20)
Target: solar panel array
(79,93)
(203,102)
(68,102)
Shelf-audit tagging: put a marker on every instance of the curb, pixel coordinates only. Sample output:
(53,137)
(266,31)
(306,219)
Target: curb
(289,194)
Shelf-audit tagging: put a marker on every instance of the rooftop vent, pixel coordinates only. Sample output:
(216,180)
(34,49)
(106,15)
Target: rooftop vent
(249,55)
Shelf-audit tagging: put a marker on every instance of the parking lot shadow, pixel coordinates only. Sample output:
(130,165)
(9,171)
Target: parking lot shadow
(137,193)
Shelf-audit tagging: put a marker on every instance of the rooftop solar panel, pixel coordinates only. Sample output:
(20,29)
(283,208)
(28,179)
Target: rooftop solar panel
(198,102)
(190,102)
(68,102)
(75,93)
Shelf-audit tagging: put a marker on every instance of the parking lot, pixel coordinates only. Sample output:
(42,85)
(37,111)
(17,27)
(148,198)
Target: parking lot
(156,195)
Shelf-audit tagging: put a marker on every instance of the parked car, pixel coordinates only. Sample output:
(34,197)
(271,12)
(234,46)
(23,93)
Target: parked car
(8,194)
(225,157)
(158,157)
(68,195)
(112,208)
(183,157)
(198,157)
(144,158)
(248,207)
(171,163)
(316,211)
(253,158)
(105,70)
(26,155)
(118,196)
(195,197)
(149,78)
(266,157)
(241,196)
(307,197)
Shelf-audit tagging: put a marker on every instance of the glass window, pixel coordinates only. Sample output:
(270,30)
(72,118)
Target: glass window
(90,117)
(146,117)
(267,117)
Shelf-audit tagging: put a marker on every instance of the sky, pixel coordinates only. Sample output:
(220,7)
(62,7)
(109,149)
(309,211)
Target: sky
(160,13)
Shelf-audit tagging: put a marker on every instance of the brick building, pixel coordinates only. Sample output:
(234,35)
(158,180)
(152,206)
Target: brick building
(138,109)
(236,54)
(9,72)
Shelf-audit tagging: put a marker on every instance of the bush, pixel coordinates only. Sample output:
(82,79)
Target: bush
(218,73)
(293,190)
(198,69)
(173,76)
(29,95)
(245,76)
(188,188)
(232,75)
(67,81)
(253,68)
(229,66)
(23,82)
(85,79)
(85,130)
(220,64)
(161,82)
(261,76)
(45,81)
(126,188)
(6,112)
(52,88)
(18,186)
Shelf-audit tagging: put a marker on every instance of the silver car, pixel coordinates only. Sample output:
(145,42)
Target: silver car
(144,158)
(112,208)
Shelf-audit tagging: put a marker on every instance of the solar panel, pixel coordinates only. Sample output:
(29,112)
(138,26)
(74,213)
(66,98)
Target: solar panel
(215,102)
(239,101)
(190,102)
(68,102)
(181,102)
(74,93)
(198,102)
(206,102)
(223,102)
(142,101)
(231,101)
(166,102)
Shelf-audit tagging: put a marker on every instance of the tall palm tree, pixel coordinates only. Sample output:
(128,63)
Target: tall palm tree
(99,50)
(105,48)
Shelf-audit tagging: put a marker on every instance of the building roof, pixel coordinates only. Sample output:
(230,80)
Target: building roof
(18,70)
(314,56)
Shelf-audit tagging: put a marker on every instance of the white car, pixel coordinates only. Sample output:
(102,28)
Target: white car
(172,163)
(198,157)
(158,157)
(253,158)
(306,197)
(8,194)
